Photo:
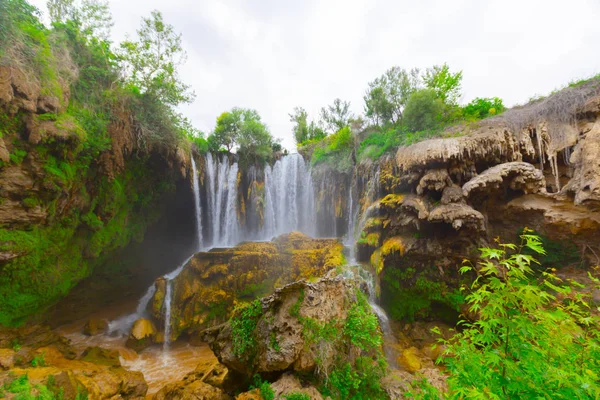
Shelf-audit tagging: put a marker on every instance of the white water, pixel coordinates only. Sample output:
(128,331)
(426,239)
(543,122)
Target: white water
(353,210)
(196,188)
(222,194)
(173,274)
(289,198)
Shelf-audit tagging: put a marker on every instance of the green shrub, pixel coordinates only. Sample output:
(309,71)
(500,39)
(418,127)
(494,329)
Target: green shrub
(423,111)
(480,108)
(30,202)
(362,326)
(335,150)
(535,337)
(266,391)
(17,156)
(360,381)
(243,325)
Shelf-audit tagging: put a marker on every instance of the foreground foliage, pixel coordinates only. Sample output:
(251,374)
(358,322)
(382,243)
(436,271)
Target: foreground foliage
(535,335)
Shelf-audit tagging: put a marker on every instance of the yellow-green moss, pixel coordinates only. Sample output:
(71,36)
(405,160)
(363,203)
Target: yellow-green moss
(392,200)
(393,245)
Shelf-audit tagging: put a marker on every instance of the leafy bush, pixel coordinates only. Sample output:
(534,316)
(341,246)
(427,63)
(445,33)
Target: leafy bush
(243,325)
(480,108)
(535,337)
(423,111)
(335,150)
(356,382)
(266,391)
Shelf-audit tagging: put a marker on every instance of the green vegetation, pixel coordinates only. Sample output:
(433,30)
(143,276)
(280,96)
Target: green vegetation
(535,336)
(39,360)
(336,150)
(244,129)
(22,389)
(305,132)
(264,387)
(243,326)
(90,214)
(411,293)
(347,379)
(401,107)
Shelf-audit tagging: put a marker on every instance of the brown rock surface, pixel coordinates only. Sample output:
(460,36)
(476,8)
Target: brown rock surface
(206,291)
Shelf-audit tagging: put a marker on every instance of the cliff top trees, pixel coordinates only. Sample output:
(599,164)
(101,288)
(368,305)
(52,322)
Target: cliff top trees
(243,128)
(303,130)
(152,61)
(337,115)
(387,95)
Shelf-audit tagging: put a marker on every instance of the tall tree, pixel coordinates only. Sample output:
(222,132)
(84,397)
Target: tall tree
(302,129)
(61,10)
(387,95)
(337,115)
(95,18)
(153,60)
(447,85)
(244,129)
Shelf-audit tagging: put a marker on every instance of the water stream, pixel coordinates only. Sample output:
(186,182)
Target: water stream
(289,204)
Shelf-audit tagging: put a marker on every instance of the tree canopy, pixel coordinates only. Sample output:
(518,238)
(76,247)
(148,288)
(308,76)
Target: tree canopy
(244,129)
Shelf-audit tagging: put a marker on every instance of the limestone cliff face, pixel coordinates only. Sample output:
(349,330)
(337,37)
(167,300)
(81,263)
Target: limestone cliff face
(67,199)
(431,205)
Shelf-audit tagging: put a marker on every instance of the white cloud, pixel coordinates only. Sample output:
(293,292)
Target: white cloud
(273,55)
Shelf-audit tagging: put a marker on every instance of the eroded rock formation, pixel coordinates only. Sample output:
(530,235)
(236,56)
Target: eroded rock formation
(213,283)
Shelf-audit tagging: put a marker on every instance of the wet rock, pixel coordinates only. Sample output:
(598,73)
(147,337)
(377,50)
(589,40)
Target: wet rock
(33,337)
(4,154)
(48,104)
(67,385)
(196,390)
(99,355)
(280,344)
(410,360)
(205,292)
(253,394)
(7,358)
(95,326)
(143,334)
(98,380)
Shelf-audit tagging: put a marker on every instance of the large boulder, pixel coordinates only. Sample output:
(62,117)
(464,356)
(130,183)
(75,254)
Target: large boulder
(302,327)
(143,334)
(212,283)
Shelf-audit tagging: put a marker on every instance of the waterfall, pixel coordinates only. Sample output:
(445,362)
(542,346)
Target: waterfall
(123,325)
(173,274)
(289,203)
(196,188)
(353,209)
(222,190)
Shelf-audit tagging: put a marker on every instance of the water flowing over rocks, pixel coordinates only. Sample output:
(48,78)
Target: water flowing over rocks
(213,282)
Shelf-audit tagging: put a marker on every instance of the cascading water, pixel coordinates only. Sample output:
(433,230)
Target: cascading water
(351,231)
(172,275)
(289,198)
(196,188)
(222,194)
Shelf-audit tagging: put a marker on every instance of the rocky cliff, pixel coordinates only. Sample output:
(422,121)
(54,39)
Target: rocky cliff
(70,195)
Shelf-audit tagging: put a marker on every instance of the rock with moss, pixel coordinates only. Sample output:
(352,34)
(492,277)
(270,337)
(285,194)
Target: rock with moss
(213,283)
(143,334)
(324,328)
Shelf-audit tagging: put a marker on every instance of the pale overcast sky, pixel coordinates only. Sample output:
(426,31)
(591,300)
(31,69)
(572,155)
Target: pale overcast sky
(273,55)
